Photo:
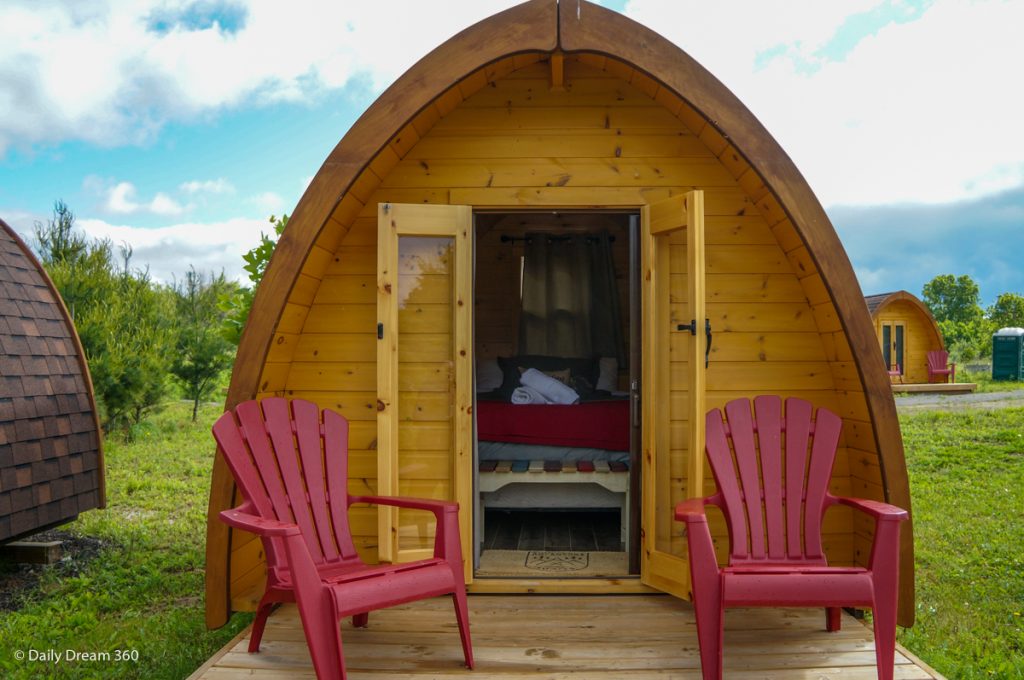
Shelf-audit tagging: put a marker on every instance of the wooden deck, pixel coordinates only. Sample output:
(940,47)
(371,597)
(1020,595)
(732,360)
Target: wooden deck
(935,388)
(567,638)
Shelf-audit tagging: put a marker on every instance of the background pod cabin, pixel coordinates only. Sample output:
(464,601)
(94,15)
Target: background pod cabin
(907,331)
(560,120)
(51,454)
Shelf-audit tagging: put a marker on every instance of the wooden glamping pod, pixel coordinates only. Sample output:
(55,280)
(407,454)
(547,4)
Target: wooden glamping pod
(51,460)
(428,247)
(906,331)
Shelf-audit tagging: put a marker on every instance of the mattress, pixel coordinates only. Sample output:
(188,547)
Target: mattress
(595,424)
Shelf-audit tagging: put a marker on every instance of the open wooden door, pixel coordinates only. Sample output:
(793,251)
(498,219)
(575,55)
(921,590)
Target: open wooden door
(424,371)
(676,339)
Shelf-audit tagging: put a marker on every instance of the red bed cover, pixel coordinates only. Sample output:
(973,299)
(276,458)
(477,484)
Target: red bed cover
(594,424)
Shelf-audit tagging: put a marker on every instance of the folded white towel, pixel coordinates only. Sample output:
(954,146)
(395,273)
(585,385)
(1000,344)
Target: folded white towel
(527,395)
(554,391)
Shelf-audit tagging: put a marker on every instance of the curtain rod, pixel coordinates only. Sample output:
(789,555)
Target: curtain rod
(505,238)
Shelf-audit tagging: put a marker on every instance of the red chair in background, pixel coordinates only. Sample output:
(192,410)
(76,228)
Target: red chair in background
(292,469)
(939,366)
(896,372)
(774,506)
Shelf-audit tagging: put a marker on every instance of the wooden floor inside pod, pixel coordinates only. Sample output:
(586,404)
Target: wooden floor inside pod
(568,638)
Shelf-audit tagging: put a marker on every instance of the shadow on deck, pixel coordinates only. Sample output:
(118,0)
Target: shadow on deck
(567,638)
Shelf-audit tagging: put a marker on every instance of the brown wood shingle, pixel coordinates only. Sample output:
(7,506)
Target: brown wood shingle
(51,459)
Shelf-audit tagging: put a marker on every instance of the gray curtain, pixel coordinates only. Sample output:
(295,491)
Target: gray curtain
(570,298)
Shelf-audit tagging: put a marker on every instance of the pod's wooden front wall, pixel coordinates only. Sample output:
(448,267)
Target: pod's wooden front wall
(610,137)
(920,334)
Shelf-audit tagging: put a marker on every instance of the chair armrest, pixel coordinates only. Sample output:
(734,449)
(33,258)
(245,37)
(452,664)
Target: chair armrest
(692,511)
(883,512)
(447,544)
(434,506)
(271,528)
(305,577)
(703,563)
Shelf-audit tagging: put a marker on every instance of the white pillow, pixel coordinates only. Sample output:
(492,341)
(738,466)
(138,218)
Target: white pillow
(608,374)
(488,375)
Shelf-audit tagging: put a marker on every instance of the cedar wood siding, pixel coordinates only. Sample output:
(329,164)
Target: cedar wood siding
(757,203)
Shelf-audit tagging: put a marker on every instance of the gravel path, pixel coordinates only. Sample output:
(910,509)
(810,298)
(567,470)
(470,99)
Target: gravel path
(951,402)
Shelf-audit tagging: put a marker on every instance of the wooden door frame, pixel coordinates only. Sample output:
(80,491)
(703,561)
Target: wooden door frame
(889,348)
(395,220)
(629,583)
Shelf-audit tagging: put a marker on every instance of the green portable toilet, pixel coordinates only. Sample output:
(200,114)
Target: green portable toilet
(1008,354)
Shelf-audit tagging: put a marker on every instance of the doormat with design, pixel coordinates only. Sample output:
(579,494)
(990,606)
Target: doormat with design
(559,563)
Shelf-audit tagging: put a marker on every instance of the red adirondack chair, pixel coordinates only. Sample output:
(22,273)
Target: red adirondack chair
(896,372)
(939,366)
(776,556)
(292,469)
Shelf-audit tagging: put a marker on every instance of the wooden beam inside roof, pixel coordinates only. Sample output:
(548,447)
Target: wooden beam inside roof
(557,71)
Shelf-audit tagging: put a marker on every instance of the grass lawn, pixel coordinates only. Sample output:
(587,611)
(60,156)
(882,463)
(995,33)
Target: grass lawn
(967,485)
(144,591)
(985,382)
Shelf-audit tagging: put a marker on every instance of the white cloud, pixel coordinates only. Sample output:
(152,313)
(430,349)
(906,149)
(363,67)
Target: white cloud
(162,204)
(120,200)
(268,200)
(113,73)
(927,110)
(168,252)
(210,186)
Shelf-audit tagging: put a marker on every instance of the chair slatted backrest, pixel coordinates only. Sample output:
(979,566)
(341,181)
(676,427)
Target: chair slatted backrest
(293,468)
(938,360)
(773,494)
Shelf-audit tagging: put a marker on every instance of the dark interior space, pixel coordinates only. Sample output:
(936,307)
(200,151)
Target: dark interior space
(596,530)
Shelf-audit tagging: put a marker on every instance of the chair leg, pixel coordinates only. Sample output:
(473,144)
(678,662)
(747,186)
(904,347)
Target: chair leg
(710,623)
(833,619)
(320,624)
(462,616)
(361,620)
(884,620)
(259,624)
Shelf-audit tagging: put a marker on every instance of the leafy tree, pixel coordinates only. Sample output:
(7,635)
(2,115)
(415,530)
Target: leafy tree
(121,317)
(57,240)
(953,298)
(967,341)
(955,302)
(202,352)
(237,304)
(1008,311)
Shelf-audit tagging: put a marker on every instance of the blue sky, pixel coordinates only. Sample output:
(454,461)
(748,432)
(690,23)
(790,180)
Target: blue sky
(179,126)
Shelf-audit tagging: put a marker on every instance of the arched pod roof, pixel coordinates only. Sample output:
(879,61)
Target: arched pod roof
(544,26)
(51,458)
(877,304)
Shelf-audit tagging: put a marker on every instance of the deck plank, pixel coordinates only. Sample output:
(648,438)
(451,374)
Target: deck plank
(567,638)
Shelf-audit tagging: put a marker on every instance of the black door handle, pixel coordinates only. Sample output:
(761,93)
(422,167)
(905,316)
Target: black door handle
(692,327)
(707,347)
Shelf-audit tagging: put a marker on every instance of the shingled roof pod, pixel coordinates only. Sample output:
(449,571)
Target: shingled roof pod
(907,331)
(424,274)
(51,458)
